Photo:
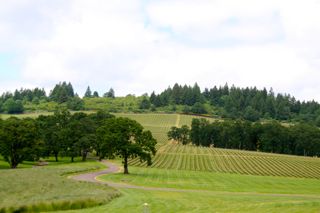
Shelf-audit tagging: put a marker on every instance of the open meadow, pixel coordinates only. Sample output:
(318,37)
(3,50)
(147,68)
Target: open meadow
(48,188)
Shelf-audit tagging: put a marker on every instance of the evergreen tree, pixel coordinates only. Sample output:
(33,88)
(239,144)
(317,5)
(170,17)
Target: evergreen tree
(95,94)
(88,94)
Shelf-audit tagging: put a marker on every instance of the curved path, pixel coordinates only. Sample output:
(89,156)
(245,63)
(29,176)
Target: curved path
(113,168)
(91,177)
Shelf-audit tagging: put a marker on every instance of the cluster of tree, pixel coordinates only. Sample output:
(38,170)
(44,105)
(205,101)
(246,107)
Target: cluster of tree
(89,94)
(253,104)
(13,102)
(95,94)
(73,135)
(11,106)
(62,92)
(300,139)
(178,95)
(25,94)
(233,102)
(181,135)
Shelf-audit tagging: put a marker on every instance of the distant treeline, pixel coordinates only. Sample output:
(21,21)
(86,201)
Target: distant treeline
(300,139)
(246,103)
(227,102)
(62,94)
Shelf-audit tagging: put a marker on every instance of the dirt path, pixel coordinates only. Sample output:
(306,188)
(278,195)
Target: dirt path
(113,168)
(91,177)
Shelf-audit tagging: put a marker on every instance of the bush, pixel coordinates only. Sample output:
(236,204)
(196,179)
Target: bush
(13,107)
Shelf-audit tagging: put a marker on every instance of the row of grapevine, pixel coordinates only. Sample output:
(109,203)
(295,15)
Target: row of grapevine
(175,156)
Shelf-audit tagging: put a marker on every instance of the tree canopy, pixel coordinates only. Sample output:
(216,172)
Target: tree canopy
(126,138)
(299,139)
(18,140)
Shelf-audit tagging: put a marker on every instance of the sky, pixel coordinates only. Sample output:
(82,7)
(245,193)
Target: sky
(137,46)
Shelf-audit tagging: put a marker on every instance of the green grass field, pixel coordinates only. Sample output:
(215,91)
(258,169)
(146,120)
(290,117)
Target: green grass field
(48,188)
(132,201)
(211,192)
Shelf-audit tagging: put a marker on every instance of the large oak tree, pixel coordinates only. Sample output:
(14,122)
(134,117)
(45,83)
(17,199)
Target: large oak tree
(18,140)
(126,138)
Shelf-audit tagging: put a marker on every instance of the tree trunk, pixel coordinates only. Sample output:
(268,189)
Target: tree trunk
(125,166)
(84,156)
(56,156)
(72,159)
(13,164)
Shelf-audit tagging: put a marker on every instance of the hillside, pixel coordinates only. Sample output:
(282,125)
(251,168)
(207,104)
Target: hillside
(188,157)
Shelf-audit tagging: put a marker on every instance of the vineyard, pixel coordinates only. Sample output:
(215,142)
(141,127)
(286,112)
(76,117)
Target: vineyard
(179,157)
(160,124)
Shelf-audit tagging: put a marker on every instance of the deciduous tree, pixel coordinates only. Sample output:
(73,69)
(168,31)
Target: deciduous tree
(126,138)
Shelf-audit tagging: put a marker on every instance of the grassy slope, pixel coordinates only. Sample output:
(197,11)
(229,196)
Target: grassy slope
(49,184)
(174,156)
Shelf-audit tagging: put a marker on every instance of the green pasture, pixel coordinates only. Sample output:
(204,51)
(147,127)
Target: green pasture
(48,188)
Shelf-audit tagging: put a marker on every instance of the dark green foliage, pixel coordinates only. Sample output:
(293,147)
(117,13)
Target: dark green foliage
(25,94)
(95,94)
(251,114)
(145,103)
(70,135)
(62,92)
(272,137)
(18,140)
(75,103)
(239,103)
(198,108)
(126,138)
(109,94)
(88,93)
(13,107)
(179,95)
(180,134)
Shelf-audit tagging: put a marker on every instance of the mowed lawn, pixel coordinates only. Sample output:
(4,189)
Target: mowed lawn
(132,200)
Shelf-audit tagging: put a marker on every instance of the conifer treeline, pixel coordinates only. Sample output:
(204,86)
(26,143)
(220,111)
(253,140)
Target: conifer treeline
(228,102)
(247,103)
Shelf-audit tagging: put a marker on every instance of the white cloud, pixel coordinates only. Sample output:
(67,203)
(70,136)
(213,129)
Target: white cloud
(138,46)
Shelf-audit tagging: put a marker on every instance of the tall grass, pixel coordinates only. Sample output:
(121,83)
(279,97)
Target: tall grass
(48,189)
